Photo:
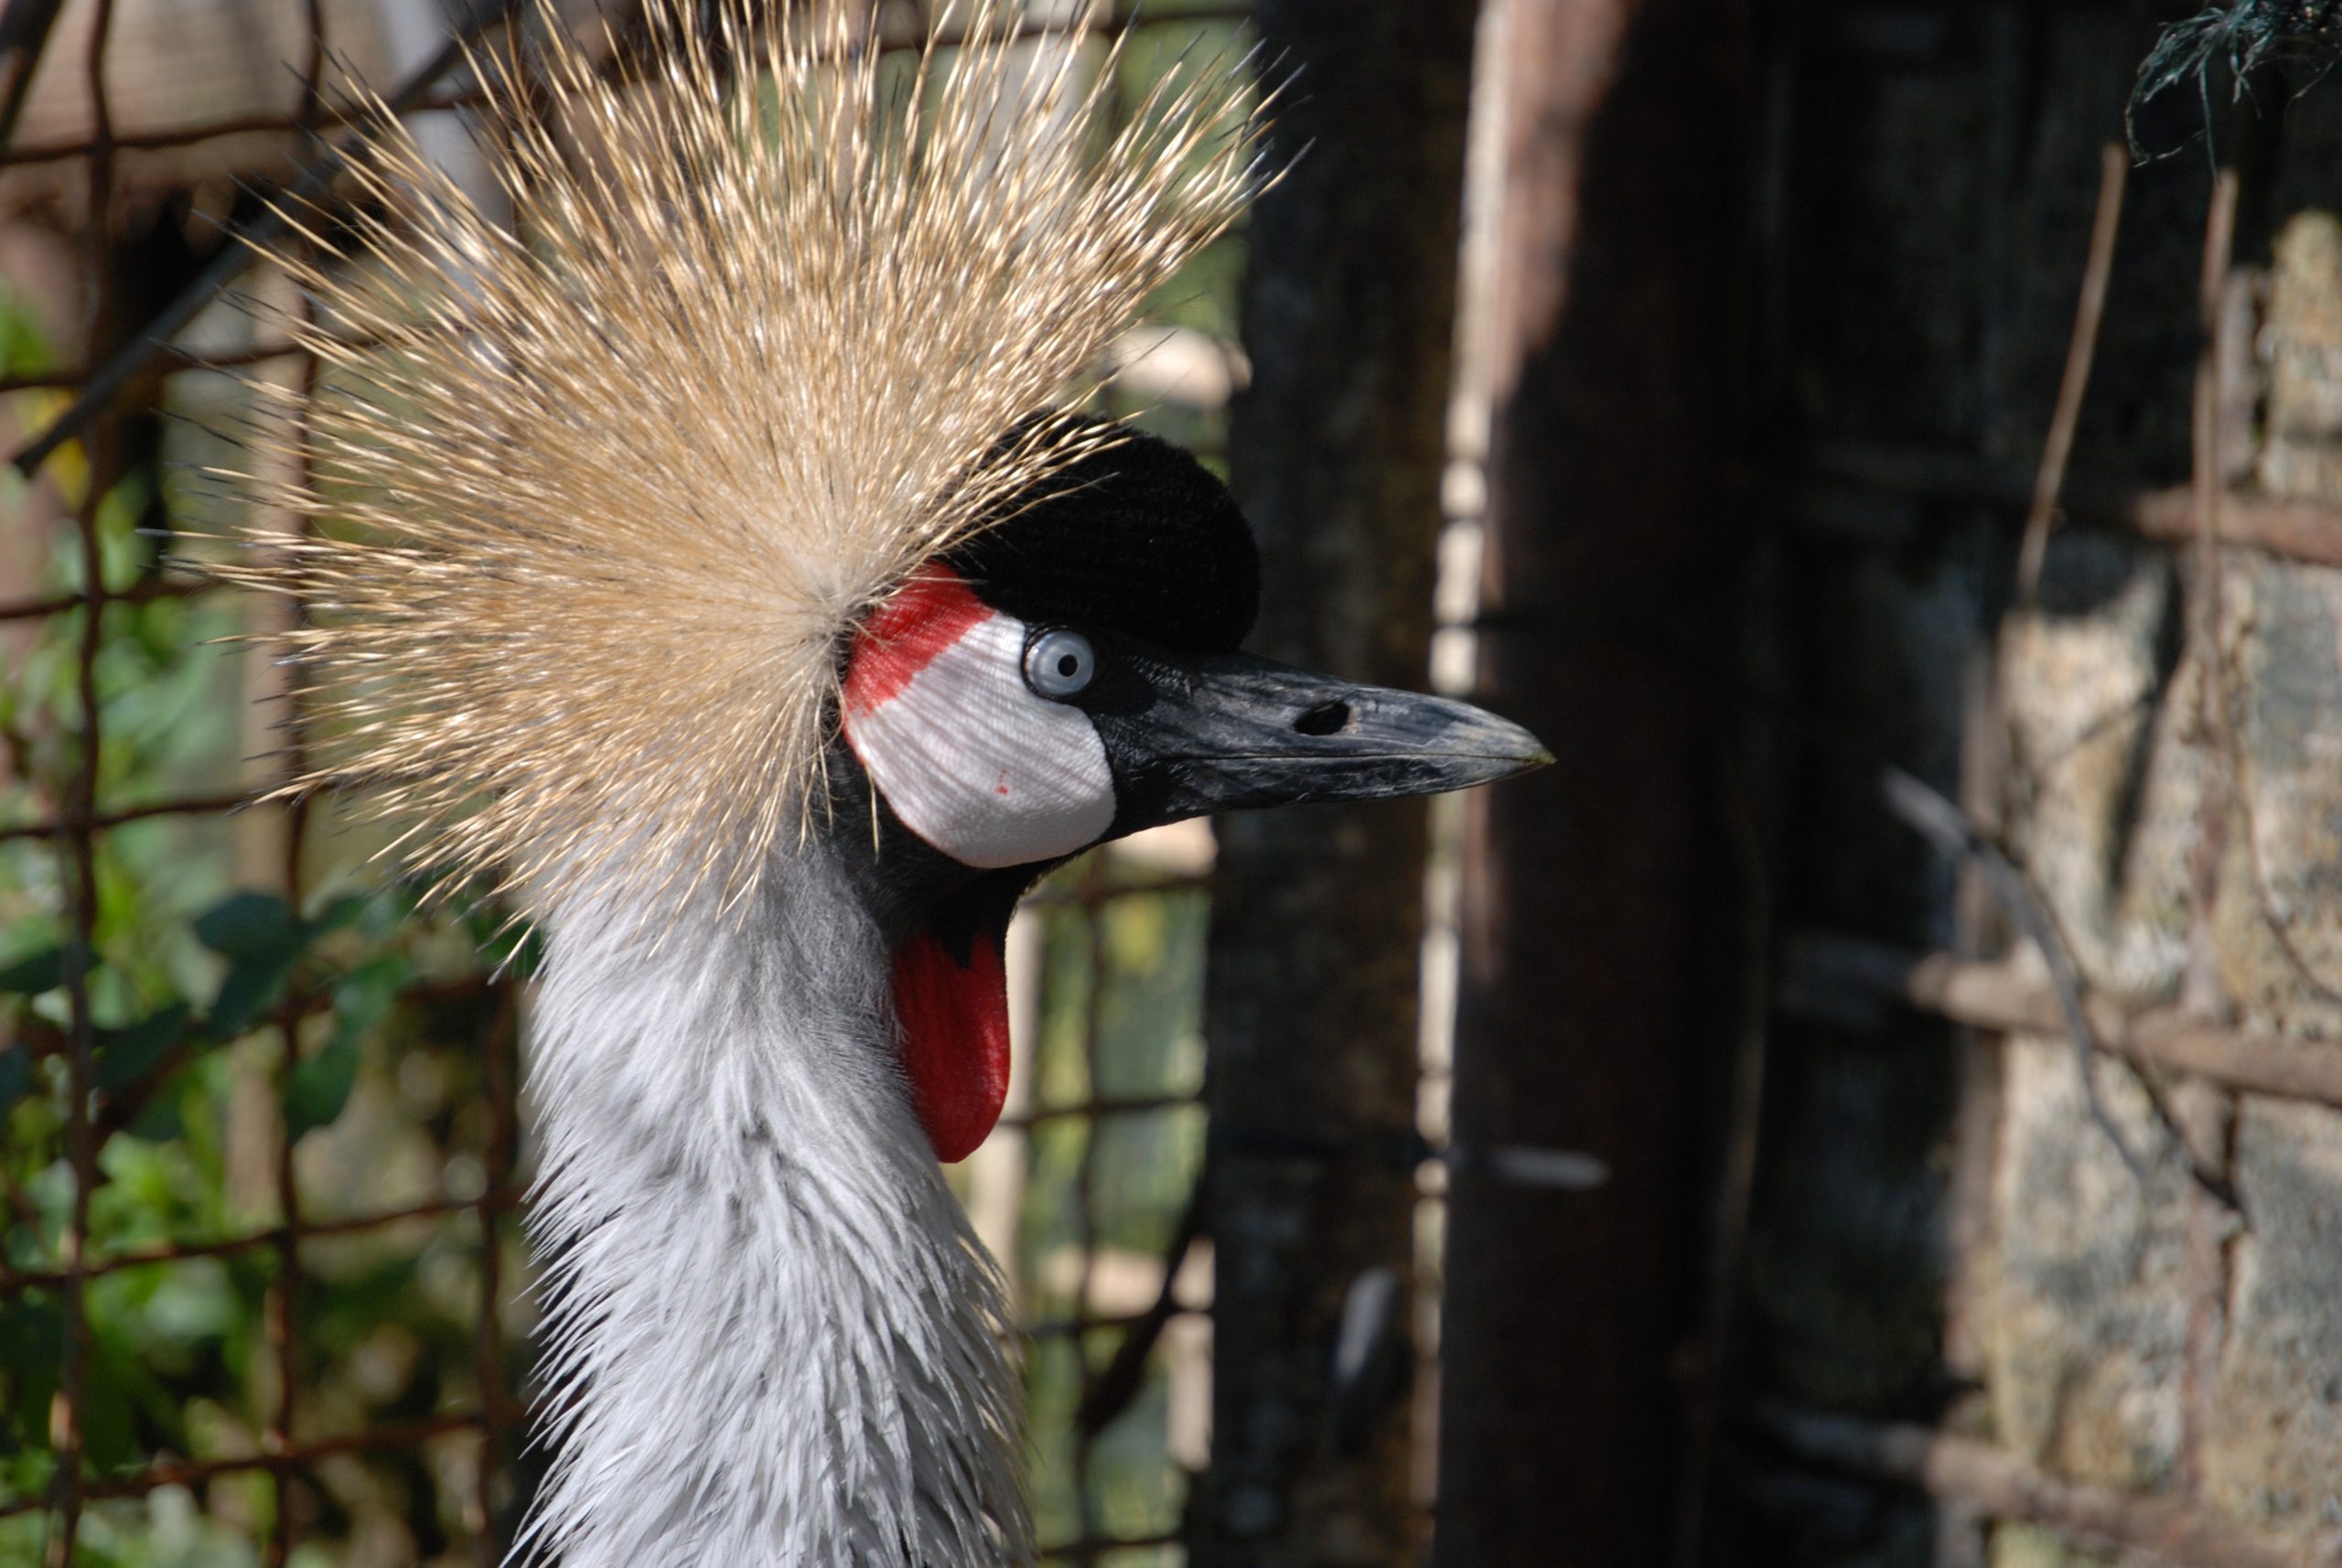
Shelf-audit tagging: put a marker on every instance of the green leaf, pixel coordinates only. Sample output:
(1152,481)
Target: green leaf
(15,1077)
(36,973)
(160,1120)
(340,912)
(366,994)
(260,934)
(40,972)
(124,1055)
(248,924)
(320,1088)
(31,1331)
(249,989)
(113,1380)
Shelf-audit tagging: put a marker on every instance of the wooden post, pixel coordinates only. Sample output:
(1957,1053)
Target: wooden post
(1336,453)
(1586,998)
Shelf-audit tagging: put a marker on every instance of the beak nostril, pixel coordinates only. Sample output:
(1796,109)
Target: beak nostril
(1325,718)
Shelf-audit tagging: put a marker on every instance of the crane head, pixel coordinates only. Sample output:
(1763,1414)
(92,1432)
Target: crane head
(1072,674)
(615,541)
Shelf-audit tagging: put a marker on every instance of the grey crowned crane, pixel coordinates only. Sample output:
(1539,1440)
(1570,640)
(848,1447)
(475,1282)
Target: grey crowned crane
(702,559)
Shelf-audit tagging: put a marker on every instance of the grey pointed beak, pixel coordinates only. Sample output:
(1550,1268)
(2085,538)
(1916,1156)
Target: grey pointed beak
(1230,732)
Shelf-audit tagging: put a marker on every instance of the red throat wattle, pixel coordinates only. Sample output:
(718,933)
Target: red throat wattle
(954,1019)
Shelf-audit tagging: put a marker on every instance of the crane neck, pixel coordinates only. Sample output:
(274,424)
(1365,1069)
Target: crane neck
(773,1340)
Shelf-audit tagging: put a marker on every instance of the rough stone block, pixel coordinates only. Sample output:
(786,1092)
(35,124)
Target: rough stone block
(2105,778)
(2278,924)
(2089,1320)
(2272,1444)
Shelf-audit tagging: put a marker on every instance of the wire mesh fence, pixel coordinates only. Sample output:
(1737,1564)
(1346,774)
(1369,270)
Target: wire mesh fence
(264,1294)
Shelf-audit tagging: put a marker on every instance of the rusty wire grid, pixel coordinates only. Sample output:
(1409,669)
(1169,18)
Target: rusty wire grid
(1084,1194)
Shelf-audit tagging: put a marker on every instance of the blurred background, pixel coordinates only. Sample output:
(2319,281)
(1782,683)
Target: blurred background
(1876,1100)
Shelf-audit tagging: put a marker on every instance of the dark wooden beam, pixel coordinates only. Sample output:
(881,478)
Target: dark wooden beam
(1336,452)
(1588,1014)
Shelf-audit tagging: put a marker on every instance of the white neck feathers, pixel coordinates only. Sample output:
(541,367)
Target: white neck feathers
(772,1340)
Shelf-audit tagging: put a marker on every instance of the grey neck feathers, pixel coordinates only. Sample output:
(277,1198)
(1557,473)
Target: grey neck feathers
(772,1340)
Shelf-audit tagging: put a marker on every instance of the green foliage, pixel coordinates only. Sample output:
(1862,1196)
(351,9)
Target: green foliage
(15,1075)
(1121,1019)
(43,970)
(126,1054)
(367,1018)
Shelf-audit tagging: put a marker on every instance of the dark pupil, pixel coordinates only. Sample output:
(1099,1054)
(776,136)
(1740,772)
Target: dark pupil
(1067,663)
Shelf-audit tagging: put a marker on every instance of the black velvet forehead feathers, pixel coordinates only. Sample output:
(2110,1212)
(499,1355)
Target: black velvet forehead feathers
(1139,539)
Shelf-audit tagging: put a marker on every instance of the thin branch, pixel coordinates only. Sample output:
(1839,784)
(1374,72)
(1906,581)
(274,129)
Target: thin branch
(267,124)
(194,805)
(1110,1392)
(1823,971)
(1101,1107)
(1935,817)
(2081,353)
(1940,819)
(143,592)
(2004,1486)
(78,850)
(195,1472)
(15,1280)
(1878,492)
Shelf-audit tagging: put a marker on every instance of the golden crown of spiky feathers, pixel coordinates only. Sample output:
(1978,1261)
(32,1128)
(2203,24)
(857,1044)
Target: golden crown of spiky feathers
(596,497)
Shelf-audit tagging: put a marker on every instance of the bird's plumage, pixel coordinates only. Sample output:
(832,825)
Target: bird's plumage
(595,501)
(773,1340)
(598,495)
(709,558)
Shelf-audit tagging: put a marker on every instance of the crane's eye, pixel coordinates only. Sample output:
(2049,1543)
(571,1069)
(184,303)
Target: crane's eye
(1060,663)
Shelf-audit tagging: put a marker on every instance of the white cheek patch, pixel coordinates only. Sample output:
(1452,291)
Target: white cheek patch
(969,757)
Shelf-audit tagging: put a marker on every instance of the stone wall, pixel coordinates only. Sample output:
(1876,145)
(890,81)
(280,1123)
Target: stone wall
(1944,1235)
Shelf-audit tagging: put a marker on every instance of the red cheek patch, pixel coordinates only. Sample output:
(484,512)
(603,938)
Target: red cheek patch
(904,636)
(954,1019)
(972,762)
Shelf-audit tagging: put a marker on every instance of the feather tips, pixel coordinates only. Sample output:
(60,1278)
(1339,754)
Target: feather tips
(596,497)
